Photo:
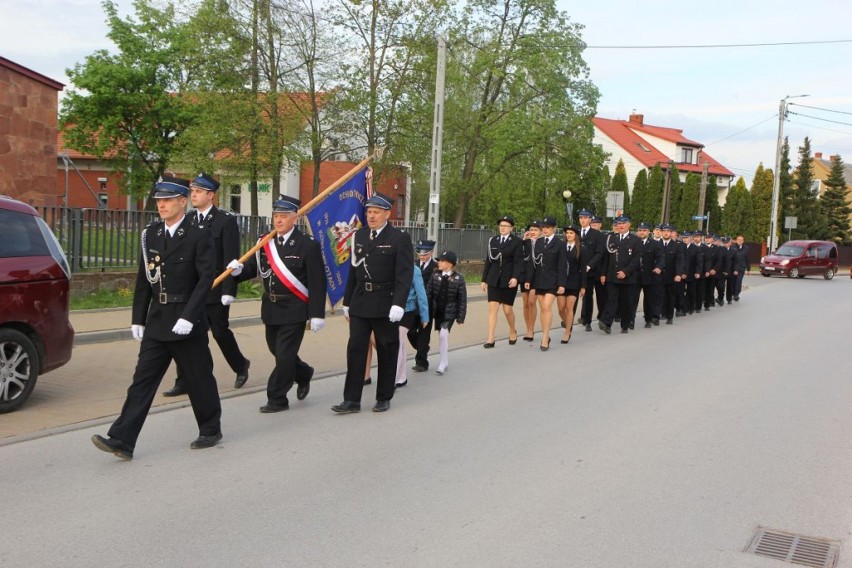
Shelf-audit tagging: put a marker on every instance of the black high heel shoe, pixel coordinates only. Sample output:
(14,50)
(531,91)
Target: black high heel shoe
(489,344)
(564,341)
(513,341)
(528,338)
(544,347)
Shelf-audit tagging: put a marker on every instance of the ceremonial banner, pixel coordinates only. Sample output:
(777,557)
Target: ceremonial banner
(333,223)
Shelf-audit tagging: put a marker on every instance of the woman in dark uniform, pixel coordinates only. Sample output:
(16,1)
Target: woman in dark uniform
(500,277)
(547,275)
(576,260)
(528,293)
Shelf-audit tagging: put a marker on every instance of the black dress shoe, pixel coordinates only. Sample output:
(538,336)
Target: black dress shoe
(588,327)
(632,325)
(624,330)
(647,325)
(604,327)
(368,381)
(202,442)
(669,321)
(402,384)
(176,390)
(706,308)
(347,407)
(271,407)
(381,406)
(113,446)
(419,368)
(736,298)
(242,376)
(488,344)
(305,384)
(655,321)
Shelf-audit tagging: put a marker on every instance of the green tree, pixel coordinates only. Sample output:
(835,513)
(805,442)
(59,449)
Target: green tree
(786,207)
(619,183)
(761,194)
(599,204)
(675,194)
(810,223)
(712,207)
(835,207)
(654,201)
(688,204)
(639,200)
(738,216)
(131,108)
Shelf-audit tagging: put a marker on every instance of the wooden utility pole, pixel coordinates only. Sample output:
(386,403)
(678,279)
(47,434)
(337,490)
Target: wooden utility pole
(702,196)
(434,208)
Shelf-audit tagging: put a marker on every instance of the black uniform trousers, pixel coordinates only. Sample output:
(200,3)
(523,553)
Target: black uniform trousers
(217,317)
(698,300)
(619,301)
(192,355)
(731,287)
(680,296)
(594,290)
(692,296)
(418,336)
(284,341)
(670,298)
(652,301)
(387,350)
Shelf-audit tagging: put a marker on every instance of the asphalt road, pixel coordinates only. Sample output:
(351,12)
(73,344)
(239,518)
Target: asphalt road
(663,447)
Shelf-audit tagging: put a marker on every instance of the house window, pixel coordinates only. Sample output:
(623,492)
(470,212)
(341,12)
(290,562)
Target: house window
(235,198)
(686,155)
(643,147)
(815,187)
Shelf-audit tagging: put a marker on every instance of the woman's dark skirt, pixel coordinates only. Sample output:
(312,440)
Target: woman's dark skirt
(502,295)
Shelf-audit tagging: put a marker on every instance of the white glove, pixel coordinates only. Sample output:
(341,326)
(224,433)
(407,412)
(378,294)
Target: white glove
(227,300)
(317,324)
(137,331)
(395,313)
(236,267)
(182,327)
(346,312)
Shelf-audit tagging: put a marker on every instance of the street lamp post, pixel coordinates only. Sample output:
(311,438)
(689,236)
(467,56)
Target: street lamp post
(569,206)
(776,185)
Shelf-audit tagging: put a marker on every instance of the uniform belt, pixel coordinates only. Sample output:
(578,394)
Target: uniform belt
(277,297)
(377,286)
(164,298)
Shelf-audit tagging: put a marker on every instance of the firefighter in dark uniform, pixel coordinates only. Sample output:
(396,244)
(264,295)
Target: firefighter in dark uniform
(547,274)
(418,335)
(650,275)
(619,273)
(226,245)
(294,288)
(696,291)
(176,270)
(724,269)
(592,241)
(712,270)
(501,277)
(374,302)
(672,272)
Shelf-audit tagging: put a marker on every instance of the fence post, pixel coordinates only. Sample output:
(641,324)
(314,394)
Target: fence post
(76,239)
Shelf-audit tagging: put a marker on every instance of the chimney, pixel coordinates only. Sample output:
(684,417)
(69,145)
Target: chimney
(834,157)
(818,155)
(637,119)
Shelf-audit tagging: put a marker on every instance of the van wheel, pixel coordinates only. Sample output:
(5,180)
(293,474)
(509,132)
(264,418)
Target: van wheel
(794,273)
(18,369)
(829,274)
(766,275)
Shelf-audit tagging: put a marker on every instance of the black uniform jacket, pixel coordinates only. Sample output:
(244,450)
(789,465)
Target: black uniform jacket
(383,278)
(226,247)
(456,305)
(650,257)
(716,258)
(426,271)
(186,271)
(504,261)
(594,242)
(673,261)
(694,261)
(622,256)
(546,268)
(301,254)
(576,268)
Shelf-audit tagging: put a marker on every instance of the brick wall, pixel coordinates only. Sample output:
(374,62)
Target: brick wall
(330,172)
(28,125)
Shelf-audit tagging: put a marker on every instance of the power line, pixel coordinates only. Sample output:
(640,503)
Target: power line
(743,130)
(822,119)
(718,45)
(822,109)
(820,127)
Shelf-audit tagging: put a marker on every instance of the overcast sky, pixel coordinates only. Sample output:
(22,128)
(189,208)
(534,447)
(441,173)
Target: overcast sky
(712,94)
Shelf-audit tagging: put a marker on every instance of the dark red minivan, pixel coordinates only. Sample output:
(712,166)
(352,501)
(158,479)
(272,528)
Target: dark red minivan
(35,333)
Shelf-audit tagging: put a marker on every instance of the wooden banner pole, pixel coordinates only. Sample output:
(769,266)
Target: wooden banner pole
(305,208)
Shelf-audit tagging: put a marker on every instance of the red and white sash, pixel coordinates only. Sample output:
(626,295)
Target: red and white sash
(283,273)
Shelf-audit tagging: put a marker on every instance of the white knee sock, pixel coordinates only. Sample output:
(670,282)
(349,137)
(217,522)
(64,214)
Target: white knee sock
(444,347)
(401,377)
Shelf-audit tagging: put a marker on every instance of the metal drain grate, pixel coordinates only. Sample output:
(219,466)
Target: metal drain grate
(798,549)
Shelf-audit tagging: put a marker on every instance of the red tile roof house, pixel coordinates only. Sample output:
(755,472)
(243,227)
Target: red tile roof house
(642,146)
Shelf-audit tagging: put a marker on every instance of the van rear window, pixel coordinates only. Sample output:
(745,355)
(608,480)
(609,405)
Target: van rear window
(20,235)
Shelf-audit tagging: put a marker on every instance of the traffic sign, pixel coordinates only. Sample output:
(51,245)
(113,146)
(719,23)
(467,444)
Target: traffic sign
(699,217)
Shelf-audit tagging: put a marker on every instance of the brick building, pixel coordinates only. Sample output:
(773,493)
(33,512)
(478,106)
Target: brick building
(28,128)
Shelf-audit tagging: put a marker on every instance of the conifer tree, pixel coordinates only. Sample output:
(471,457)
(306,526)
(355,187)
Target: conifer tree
(675,194)
(599,207)
(805,205)
(712,207)
(656,185)
(761,196)
(737,210)
(639,199)
(688,205)
(835,207)
(619,183)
